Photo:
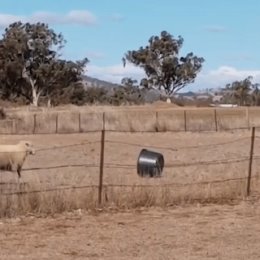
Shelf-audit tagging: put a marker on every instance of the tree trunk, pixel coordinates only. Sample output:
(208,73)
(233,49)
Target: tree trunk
(35,93)
(49,102)
(35,97)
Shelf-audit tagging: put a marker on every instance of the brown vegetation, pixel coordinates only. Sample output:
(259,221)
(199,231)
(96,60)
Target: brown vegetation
(63,175)
(147,118)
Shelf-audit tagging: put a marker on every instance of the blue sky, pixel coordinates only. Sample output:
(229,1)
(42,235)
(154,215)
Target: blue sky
(225,32)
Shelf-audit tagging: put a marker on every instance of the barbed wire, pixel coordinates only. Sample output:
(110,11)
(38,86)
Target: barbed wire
(66,146)
(180,147)
(181,164)
(156,130)
(140,145)
(62,166)
(132,166)
(54,147)
(50,190)
(133,186)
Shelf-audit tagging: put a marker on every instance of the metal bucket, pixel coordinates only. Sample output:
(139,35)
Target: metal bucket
(150,164)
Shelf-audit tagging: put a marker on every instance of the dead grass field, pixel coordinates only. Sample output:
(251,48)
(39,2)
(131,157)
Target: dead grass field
(193,161)
(166,218)
(158,116)
(228,232)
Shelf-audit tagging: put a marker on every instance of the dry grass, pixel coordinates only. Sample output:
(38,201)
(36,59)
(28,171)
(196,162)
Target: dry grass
(26,200)
(23,199)
(151,117)
(188,180)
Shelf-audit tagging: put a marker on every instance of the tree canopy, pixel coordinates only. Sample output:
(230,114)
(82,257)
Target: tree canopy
(162,64)
(30,64)
(244,92)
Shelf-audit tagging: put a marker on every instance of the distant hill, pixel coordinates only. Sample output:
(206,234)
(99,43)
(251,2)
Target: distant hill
(150,96)
(94,82)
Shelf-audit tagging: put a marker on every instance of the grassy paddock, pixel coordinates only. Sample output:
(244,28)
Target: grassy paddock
(146,118)
(194,172)
(24,199)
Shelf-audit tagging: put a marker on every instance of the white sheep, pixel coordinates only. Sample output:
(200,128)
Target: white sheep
(13,156)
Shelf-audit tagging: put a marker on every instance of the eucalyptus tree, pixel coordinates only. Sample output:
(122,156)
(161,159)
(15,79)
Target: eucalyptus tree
(164,67)
(30,63)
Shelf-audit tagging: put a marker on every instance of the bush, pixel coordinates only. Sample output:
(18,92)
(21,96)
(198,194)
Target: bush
(96,95)
(127,96)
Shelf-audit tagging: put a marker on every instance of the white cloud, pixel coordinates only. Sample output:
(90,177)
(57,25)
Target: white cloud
(222,76)
(6,19)
(205,79)
(95,55)
(115,73)
(82,17)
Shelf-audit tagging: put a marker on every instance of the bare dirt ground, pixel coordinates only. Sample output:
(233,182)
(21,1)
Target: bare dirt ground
(194,232)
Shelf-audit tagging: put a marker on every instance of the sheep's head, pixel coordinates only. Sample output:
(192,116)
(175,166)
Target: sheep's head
(28,146)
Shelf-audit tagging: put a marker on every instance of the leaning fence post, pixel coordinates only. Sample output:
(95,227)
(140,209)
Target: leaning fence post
(101,167)
(250,161)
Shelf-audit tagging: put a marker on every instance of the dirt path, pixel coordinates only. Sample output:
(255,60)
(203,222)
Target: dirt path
(194,232)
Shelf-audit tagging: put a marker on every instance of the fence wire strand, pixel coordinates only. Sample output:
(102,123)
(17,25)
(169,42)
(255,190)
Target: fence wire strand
(175,184)
(66,146)
(180,147)
(132,166)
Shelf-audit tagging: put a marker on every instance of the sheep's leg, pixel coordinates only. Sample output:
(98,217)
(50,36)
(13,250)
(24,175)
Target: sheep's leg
(19,168)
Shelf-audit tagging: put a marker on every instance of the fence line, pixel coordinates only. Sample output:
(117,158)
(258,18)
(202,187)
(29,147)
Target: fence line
(50,190)
(176,184)
(173,164)
(217,120)
(66,146)
(132,166)
(200,163)
(181,147)
(62,166)
(139,145)
(57,147)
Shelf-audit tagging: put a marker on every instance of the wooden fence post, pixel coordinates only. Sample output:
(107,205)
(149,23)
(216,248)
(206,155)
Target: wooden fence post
(104,121)
(34,123)
(247,117)
(157,122)
(216,120)
(185,121)
(57,121)
(250,161)
(79,122)
(101,167)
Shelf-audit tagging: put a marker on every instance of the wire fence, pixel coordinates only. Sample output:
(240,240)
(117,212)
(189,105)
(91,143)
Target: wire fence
(102,165)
